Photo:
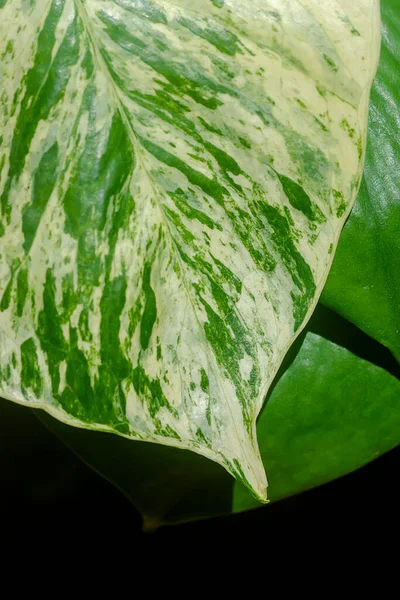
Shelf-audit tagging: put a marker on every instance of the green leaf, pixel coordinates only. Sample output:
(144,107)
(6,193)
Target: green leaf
(174,179)
(327,414)
(349,415)
(364,283)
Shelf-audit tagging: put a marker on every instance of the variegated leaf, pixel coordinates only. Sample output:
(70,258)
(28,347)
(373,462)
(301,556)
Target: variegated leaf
(174,178)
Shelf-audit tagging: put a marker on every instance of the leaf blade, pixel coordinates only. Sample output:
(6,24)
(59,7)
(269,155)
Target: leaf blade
(350,415)
(168,265)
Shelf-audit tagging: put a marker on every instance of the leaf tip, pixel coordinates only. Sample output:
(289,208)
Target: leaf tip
(248,469)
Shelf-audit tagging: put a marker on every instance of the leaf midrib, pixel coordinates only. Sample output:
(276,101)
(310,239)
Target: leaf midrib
(83,15)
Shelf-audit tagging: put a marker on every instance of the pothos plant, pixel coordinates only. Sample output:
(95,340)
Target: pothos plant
(174,178)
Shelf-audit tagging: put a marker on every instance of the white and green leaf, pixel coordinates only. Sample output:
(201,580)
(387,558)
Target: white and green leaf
(174,177)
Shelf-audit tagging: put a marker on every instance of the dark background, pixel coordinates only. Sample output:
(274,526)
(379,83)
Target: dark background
(46,490)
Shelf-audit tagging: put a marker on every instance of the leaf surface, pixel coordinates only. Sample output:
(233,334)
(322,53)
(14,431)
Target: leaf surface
(344,412)
(174,179)
(364,282)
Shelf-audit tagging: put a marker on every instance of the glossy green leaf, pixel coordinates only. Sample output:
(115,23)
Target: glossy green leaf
(174,179)
(340,412)
(364,283)
(328,413)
